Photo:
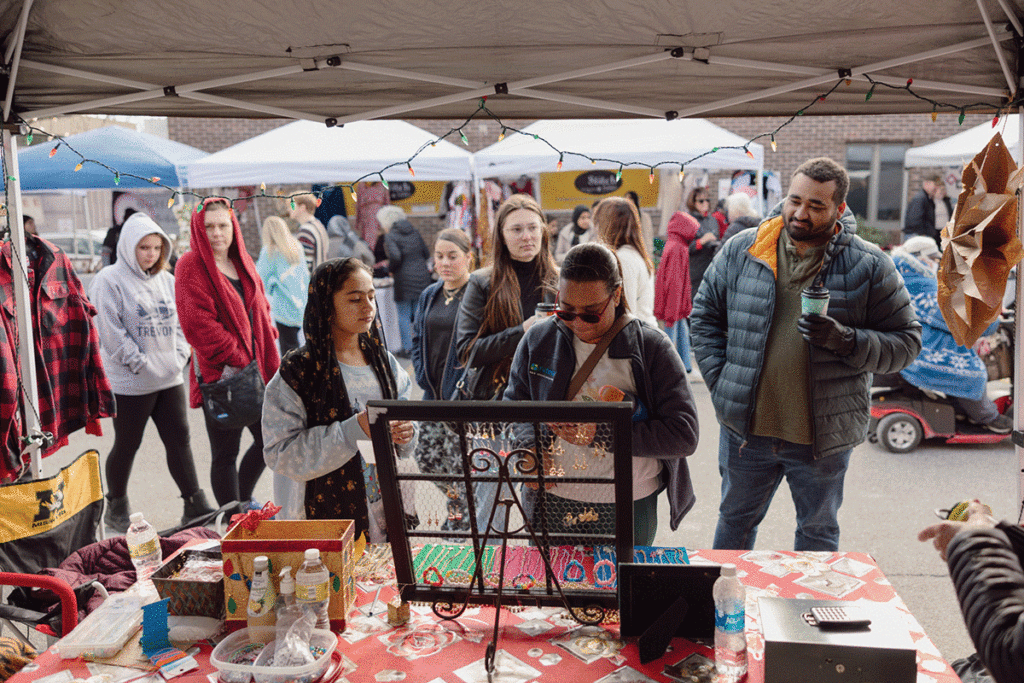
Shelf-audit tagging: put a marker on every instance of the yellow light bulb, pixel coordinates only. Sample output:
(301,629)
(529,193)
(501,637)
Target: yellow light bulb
(170,202)
(78,167)
(650,178)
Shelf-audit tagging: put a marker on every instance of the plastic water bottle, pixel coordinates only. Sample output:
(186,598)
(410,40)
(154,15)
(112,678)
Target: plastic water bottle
(260,611)
(143,546)
(312,587)
(730,615)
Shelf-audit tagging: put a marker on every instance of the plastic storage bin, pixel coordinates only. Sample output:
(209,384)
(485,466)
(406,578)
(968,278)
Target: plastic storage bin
(104,632)
(237,647)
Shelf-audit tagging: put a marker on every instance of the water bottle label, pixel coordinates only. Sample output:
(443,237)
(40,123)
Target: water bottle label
(316,592)
(731,622)
(144,549)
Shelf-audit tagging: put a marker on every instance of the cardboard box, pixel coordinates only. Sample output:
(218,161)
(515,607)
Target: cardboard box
(796,650)
(284,544)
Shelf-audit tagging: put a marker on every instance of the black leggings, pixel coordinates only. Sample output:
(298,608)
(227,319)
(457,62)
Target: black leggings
(167,408)
(230,484)
(287,337)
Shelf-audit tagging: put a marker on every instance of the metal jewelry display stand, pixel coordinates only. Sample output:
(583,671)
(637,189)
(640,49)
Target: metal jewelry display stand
(524,425)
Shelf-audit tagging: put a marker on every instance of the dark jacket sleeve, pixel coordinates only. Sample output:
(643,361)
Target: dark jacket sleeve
(708,321)
(989,582)
(671,429)
(419,338)
(917,216)
(493,347)
(393,248)
(891,338)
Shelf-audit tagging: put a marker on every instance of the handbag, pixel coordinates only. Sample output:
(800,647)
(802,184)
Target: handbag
(483,383)
(237,401)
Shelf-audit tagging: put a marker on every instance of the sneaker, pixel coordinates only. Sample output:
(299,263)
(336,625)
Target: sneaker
(1001,425)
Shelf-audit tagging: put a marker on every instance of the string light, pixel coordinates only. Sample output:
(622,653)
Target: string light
(507,129)
(28,138)
(170,202)
(650,178)
(910,82)
(558,166)
(995,120)
(384,183)
(291,204)
(117,178)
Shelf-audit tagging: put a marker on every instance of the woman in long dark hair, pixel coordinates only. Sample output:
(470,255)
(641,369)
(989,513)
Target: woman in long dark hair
(499,307)
(314,408)
(639,363)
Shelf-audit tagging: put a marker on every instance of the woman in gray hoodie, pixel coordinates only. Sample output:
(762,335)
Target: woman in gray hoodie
(144,352)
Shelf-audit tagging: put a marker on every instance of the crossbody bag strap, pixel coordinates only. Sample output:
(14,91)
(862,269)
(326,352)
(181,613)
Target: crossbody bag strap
(591,362)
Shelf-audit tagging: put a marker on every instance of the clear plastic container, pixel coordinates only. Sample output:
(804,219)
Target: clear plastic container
(240,673)
(104,632)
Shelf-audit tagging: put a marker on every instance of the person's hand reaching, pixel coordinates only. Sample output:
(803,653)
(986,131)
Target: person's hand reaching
(943,532)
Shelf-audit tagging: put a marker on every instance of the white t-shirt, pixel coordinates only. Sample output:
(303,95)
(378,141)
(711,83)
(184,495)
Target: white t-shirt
(646,471)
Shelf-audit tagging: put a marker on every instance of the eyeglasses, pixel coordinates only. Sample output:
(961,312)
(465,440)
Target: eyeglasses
(589,318)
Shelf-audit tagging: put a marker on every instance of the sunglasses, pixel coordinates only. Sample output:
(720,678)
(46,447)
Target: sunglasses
(589,318)
(701,201)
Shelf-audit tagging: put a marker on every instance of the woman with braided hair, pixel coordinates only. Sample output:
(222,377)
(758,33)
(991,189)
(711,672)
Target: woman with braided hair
(314,408)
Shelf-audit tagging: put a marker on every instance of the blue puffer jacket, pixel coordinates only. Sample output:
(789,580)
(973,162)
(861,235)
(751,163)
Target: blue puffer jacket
(444,388)
(546,360)
(733,310)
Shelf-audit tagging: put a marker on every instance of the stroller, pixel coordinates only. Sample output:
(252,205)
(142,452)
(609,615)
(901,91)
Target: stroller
(903,414)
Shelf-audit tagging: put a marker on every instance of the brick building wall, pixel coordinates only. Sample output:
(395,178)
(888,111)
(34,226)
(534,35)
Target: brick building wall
(805,137)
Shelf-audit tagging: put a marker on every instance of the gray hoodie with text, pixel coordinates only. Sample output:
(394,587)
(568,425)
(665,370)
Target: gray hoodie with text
(141,342)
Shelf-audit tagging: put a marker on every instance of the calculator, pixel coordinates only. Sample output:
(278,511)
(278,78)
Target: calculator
(847,616)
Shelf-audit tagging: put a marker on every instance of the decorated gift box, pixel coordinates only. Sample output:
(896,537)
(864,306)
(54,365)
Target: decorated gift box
(284,542)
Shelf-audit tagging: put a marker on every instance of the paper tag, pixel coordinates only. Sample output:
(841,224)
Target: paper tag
(366,450)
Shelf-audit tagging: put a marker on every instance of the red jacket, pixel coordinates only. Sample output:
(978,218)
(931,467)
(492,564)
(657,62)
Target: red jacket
(215,321)
(672,300)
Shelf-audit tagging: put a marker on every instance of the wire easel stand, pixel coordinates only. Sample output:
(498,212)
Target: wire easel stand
(525,463)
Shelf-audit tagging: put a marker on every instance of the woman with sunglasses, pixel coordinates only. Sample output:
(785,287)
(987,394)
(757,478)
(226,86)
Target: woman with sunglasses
(703,248)
(641,363)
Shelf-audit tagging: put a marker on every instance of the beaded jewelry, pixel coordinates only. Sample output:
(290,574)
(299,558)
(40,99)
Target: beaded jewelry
(571,565)
(460,576)
(608,582)
(438,581)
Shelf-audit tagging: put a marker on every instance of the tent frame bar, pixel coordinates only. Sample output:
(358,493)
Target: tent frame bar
(1010,82)
(1012,17)
(14,52)
(858,71)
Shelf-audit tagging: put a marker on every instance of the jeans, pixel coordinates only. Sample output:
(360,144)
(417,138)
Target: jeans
(405,311)
(752,471)
(679,333)
(982,411)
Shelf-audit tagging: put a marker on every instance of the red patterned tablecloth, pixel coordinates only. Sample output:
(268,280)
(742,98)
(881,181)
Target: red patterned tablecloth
(544,644)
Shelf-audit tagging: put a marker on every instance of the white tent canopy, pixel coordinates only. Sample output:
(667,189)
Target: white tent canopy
(957,150)
(307,152)
(639,143)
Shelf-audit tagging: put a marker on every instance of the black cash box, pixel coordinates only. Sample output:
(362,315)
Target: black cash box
(798,651)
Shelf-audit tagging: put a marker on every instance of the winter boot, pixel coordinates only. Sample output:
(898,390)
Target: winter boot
(196,506)
(117,513)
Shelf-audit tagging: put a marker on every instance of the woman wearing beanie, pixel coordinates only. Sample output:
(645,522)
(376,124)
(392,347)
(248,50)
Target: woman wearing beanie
(144,352)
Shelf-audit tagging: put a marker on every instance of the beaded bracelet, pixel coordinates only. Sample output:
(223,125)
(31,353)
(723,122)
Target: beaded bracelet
(457,575)
(439,581)
(610,581)
(570,565)
(526,583)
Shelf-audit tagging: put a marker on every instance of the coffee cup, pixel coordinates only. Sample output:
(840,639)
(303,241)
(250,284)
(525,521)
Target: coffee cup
(545,309)
(814,300)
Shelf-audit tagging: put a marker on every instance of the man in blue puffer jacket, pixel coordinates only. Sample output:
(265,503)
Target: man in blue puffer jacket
(791,391)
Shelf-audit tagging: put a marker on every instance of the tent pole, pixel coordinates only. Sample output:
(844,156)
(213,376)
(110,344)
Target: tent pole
(93,104)
(23,305)
(239,104)
(14,50)
(995,46)
(857,71)
(1012,17)
(86,75)
(592,103)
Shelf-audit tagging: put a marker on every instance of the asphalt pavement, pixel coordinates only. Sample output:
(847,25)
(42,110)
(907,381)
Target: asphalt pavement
(889,498)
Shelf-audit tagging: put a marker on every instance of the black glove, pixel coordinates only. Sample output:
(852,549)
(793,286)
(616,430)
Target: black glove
(827,332)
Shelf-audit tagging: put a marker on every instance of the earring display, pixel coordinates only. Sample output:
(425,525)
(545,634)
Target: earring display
(520,513)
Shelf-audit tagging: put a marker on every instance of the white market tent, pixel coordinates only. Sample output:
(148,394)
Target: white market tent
(957,150)
(356,60)
(307,152)
(637,142)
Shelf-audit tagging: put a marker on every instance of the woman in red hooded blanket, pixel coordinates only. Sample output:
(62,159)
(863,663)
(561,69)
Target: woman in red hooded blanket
(226,319)
(673,295)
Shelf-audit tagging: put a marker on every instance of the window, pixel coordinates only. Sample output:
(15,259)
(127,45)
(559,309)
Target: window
(876,183)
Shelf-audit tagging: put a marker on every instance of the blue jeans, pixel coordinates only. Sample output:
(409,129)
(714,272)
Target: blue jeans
(751,472)
(405,311)
(679,333)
